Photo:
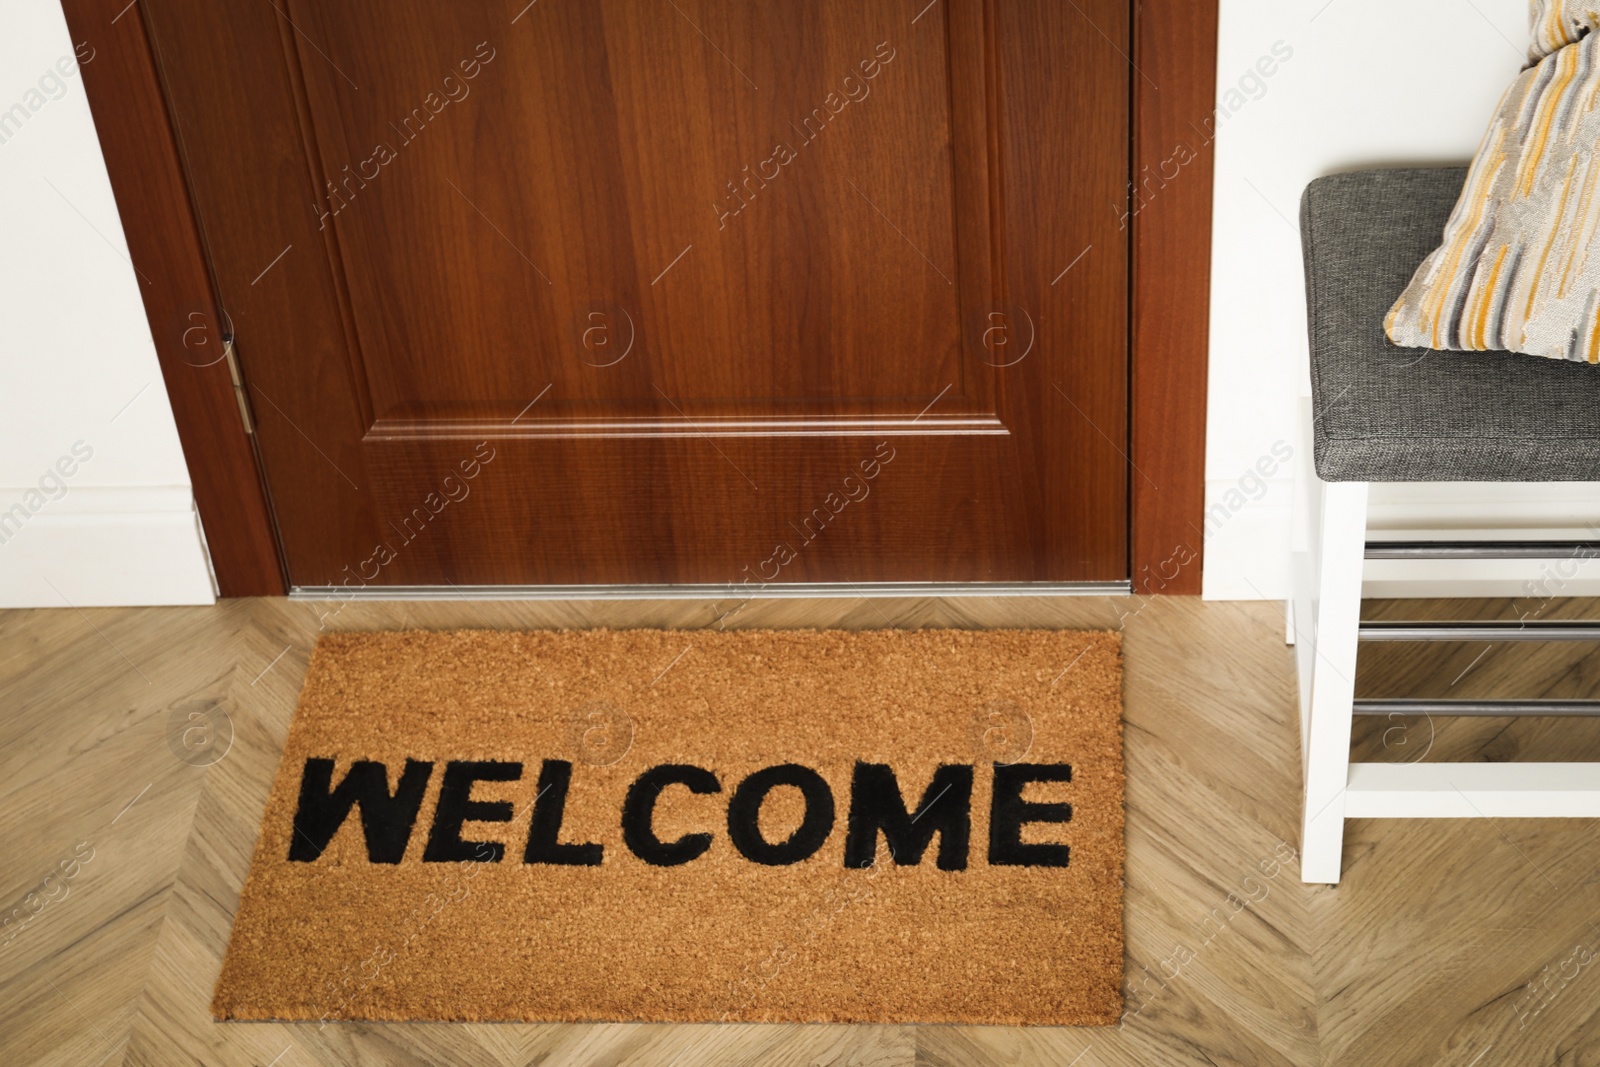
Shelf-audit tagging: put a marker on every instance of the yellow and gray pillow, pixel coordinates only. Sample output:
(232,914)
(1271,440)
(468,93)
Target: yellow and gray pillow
(1518,270)
(1558,23)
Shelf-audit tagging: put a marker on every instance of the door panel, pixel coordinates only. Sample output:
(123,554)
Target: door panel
(608,172)
(680,291)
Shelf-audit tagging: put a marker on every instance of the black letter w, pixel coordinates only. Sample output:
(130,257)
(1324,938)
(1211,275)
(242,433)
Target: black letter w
(386,820)
(875,803)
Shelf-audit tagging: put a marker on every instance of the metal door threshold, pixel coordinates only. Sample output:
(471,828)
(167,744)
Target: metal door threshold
(771,591)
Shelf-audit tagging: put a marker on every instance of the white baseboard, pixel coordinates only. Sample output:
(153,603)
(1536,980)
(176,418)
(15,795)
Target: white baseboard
(110,547)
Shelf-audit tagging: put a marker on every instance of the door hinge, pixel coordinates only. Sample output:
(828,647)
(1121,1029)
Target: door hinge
(230,354)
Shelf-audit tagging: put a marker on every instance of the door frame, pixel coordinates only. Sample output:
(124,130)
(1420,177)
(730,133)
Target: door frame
(1172,74)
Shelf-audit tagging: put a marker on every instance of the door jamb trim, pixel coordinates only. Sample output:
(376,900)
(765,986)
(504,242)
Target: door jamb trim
(165,244)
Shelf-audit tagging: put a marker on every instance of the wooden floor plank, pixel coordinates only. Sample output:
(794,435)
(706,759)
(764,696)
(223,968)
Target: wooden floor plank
(1447,940)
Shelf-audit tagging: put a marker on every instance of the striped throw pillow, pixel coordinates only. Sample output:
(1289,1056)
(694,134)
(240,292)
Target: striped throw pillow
(1558,23)
(1519,269)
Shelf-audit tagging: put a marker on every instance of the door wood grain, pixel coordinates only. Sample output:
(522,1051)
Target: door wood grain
(681,292)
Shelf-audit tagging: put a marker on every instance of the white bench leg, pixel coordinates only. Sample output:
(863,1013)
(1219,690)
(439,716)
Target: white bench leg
(1339,534)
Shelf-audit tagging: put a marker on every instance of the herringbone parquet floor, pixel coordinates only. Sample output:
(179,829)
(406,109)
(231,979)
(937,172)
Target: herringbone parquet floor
(1449,943)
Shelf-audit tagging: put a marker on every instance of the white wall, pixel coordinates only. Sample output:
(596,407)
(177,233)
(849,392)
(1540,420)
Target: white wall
(77,364)
(1369,83)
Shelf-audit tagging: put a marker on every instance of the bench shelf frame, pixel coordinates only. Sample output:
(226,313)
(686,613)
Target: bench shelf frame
(1325,628)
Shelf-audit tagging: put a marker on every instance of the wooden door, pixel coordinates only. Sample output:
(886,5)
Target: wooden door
(671,291)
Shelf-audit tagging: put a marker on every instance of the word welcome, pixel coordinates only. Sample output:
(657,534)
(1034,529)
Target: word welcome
(50,87)
(876,808)
(367,170)
(809,128)
(52,486)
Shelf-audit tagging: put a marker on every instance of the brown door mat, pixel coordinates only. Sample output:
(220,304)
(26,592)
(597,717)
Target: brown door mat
(757,826)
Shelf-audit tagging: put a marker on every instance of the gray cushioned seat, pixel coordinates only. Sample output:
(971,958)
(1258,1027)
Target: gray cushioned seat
(1390,414)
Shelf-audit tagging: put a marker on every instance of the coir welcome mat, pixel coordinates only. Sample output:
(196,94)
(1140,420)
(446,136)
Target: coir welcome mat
(791,826)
